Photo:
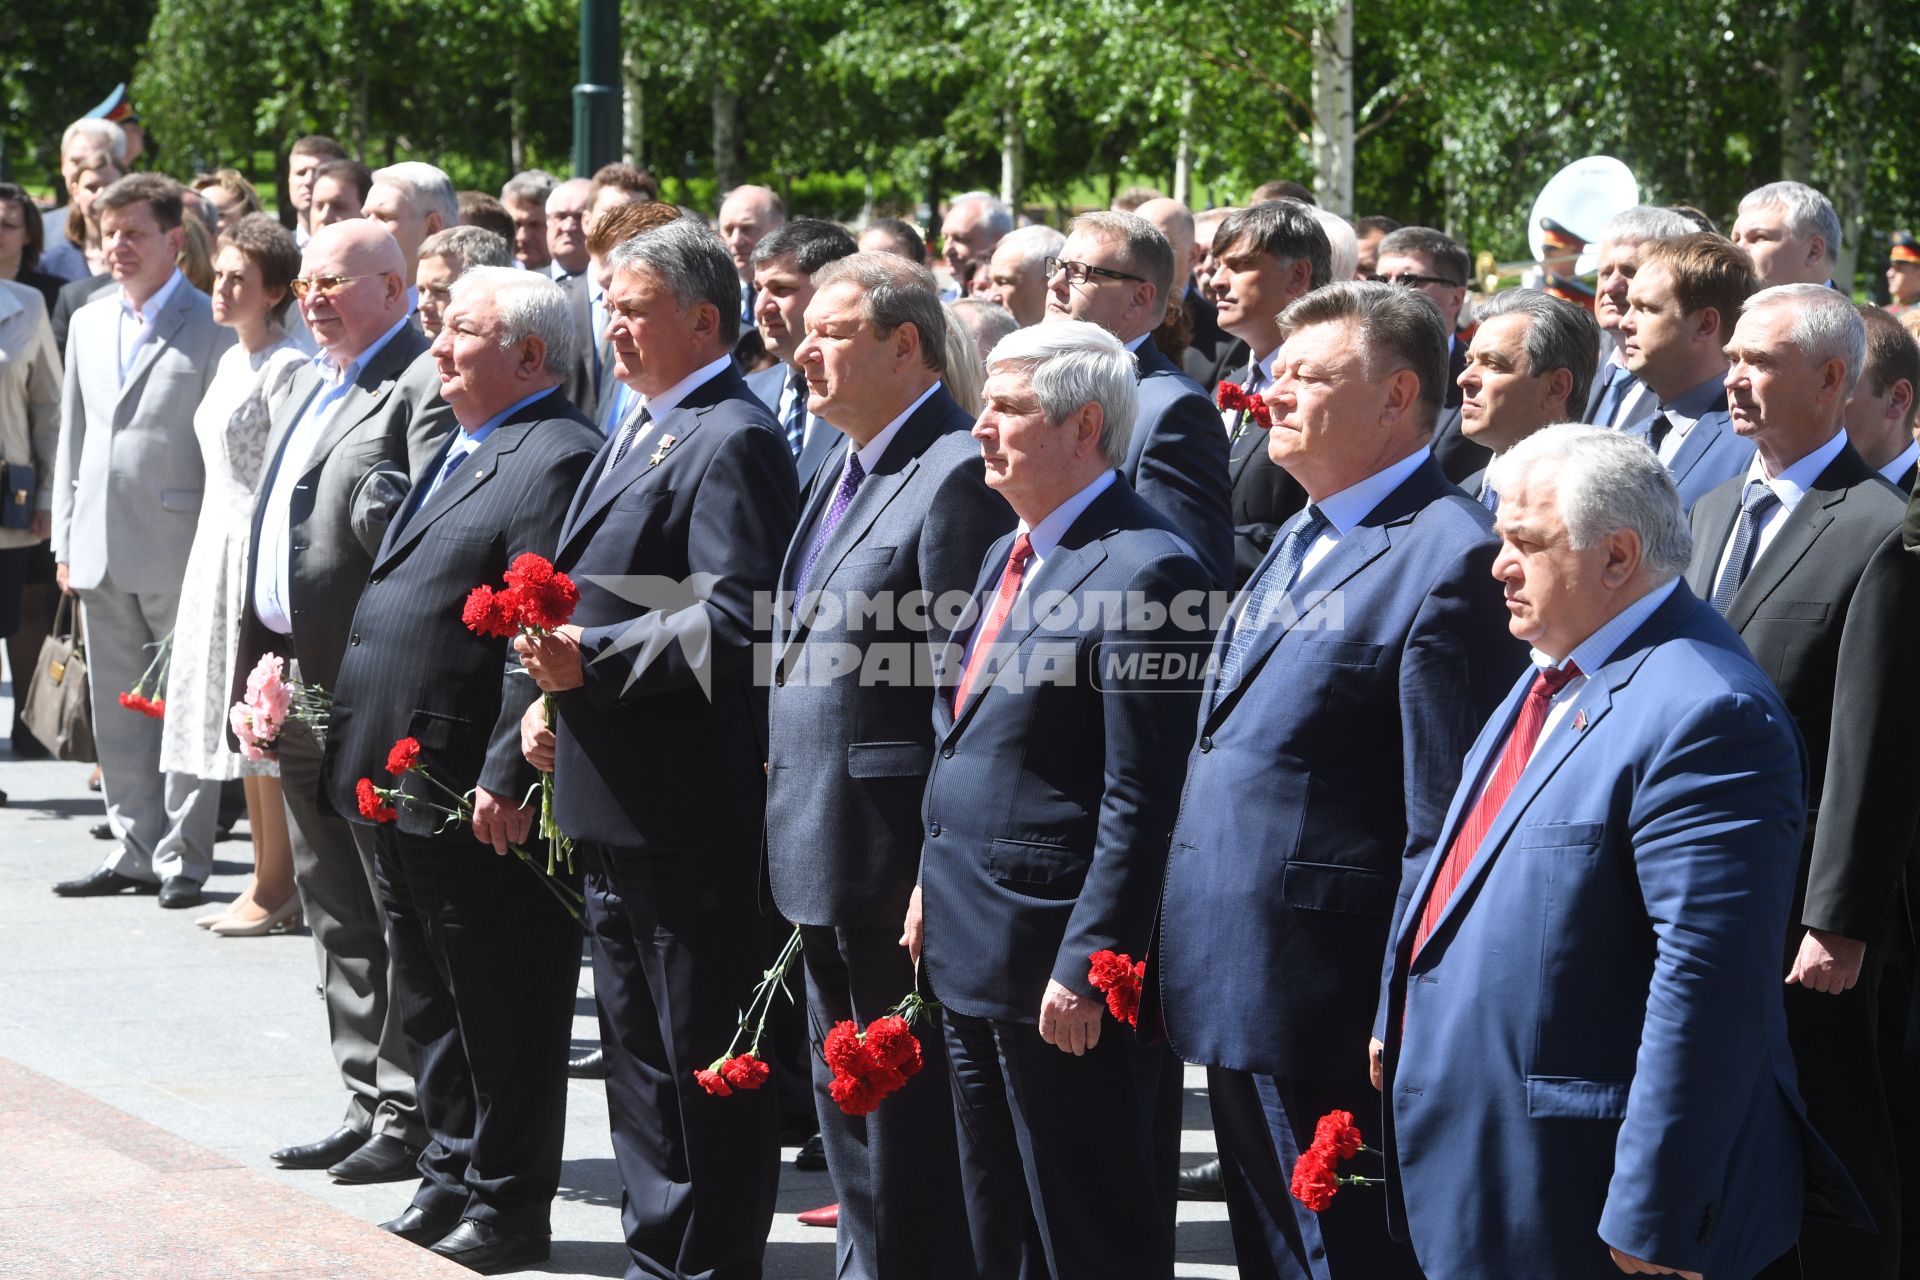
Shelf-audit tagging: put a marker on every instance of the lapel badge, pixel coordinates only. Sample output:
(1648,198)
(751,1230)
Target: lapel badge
(1579,720)
(660,451)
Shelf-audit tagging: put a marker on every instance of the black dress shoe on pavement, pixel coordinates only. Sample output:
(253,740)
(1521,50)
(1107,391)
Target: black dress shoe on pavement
(480,1247)
(417,1226)
(178,891)
(812,1155)
(591,1065)
(330,1150)
(103,884)
(1202,1182)
(382,1159)
(100,831)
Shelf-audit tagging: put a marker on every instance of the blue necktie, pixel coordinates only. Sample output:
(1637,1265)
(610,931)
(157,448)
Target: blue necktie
(796,423)
(1619,382)
(842,499)
(1755,500)
(1267,589)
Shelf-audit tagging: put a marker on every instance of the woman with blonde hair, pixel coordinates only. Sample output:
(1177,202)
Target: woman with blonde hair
(230,194)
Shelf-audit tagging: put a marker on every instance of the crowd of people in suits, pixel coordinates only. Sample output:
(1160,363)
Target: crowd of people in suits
(1501,736)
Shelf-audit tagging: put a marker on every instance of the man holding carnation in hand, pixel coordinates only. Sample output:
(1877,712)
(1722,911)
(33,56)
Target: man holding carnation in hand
(429,705)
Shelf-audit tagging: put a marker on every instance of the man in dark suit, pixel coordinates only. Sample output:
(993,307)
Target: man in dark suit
(591,385)
(1046,812)
(354,427)
(1801,555)
(1680,311)
(1528,367)
(1585,1059)
(1372,633)
(1266,257)
(1880,412)
(1436,266)
(484,962)
(1618,399)
(783,265)
(1115,271)
(903,510)
(675,539)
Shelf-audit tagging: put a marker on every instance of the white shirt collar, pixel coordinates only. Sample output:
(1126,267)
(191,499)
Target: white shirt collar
(1792,484)
(1260,369)
(1898,467)
(1045,537)
(1356,502)
(873,450)
(156,303)
(669,400)
(1134,346)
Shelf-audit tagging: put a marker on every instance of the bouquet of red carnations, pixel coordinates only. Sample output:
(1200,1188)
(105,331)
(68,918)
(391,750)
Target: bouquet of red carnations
(154,678)
(1316,1175)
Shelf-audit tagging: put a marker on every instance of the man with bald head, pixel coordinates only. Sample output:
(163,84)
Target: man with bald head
(567,210)
(1017,272)
(746,215)
(1176,223)
(356,423)
(411,200)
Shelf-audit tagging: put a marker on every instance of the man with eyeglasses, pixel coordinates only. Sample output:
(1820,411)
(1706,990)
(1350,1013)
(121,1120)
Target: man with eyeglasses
(356,423)
(1115,271)
(1435,265)
(567,210)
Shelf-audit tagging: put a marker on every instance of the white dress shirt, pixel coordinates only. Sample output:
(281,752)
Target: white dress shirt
(1789,486)
(1346,509)
(869,454)
(1898,467)
(1044,539)
(136,323)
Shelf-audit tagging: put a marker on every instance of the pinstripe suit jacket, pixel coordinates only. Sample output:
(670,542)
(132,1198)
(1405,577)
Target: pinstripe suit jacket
(412,668)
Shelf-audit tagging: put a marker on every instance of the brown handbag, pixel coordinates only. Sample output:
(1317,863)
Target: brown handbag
(57,711)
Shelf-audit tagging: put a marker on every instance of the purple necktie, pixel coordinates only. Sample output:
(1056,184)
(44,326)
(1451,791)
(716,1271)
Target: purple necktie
(842,499)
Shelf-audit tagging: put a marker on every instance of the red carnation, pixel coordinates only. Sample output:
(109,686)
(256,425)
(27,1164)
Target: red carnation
(491,613)
(856,1095)
(546,605)
(1118,978)
(713,1082)
(842,1049)
(405,756)
(371,806)
(892,1045)
(157,708)
(1338,1136)
(1232,397)
(131,701)
(745,1072)
(1314,1182)
(529,570)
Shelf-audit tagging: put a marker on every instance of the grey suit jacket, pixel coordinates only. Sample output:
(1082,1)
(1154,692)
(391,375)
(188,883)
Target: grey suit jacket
(583,383)
(128,476)
(386,429)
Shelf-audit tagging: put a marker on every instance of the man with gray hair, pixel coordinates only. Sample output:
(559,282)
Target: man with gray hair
(1017,272)
(412,200)
(900,512)
(1791,232)
(484,961)
(1802,555)
(525,199)
(970,232)
(1046,812)
(1580,990)
(1618,399)
(1116,270)
(1530,361)
(567,208)
(675,537)
(1372,632)
(86,145)
(444,257)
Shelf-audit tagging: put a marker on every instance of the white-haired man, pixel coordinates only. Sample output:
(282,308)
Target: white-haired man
(567,210)
(1791,232)
(970,232)
(412,200)
(483,960)
(1017,272)
(1046,815)
(85,146)
(525,199)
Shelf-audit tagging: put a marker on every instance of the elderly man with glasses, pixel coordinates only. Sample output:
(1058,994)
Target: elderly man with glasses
(355,424)
(1435,265)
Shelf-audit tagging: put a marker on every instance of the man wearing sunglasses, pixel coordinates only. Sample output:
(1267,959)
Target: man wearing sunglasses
(1435,265)
(356,423)
(1116,271)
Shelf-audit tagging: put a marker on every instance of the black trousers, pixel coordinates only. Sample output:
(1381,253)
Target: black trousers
(1056,1181)
(895,1172)
(484,966)
(677,946)
(1263,1123)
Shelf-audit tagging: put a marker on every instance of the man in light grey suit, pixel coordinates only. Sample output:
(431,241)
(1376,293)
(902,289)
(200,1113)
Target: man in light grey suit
(356,424)
(901,507)
(126,498)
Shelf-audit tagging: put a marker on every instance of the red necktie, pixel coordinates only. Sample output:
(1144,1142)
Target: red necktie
(996,617)
(1506,774)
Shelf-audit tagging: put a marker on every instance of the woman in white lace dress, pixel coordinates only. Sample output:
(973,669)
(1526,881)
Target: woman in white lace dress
(256,260)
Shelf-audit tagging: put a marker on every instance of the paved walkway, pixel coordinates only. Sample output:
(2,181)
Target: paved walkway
(147,1067)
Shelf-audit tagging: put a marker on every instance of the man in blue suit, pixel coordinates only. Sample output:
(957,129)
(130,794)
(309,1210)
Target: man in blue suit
(1046,812)
(1352,674)
(1681,307)
(1115,271)
(674,538)
(1585,1063)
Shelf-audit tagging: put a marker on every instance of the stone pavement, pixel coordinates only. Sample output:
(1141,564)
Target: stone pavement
(147,1067)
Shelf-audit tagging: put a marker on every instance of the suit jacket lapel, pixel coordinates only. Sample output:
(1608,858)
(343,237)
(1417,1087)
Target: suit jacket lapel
(1063,572)
(636,466)
(1717,514)
(165,326)
(478,468)
(1694,447)
(1798,532)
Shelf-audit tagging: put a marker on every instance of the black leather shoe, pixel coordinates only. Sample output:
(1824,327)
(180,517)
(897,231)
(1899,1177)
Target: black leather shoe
(103,884)
(417,1226)
(330,1150)
(480,1247)
(100,831)
(1202,1182)
(591,1065)
(382,1159)
(812,1155)
(178,891)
